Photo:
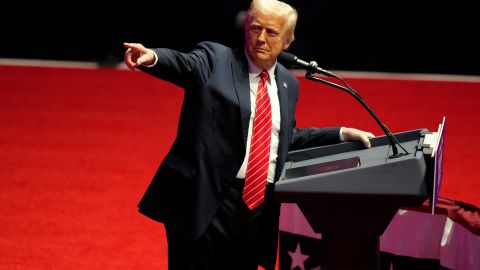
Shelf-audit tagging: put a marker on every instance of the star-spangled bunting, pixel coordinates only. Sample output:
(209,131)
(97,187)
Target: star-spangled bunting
(298,259)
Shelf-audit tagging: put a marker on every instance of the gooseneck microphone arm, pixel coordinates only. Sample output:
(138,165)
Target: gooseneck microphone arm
(391,138)
(312,67)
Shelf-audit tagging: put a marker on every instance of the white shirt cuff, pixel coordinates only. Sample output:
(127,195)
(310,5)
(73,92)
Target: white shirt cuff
(154,62)
(340,135)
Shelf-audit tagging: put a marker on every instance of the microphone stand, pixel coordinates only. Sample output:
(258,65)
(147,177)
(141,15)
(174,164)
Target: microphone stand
(391,138)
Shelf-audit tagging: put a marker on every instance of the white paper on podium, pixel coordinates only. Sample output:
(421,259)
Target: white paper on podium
(437,153)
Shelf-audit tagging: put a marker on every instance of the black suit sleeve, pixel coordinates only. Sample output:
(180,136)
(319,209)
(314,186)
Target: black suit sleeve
(187,70)
(312,137)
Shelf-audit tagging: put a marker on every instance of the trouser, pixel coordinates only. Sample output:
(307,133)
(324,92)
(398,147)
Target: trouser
(236,239)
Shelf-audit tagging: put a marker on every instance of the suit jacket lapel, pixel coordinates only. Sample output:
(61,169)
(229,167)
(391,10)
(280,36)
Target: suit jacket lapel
(283,99)
(242,88)
(284,125)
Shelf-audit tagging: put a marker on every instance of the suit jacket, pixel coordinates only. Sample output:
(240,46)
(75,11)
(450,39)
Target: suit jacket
(211,139)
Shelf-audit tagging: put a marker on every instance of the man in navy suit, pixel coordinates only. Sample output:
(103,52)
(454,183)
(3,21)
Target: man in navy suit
(197,190)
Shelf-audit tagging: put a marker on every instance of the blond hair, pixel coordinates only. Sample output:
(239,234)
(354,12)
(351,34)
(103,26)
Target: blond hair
(279,8)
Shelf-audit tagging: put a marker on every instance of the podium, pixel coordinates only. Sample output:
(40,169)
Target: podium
(350,194)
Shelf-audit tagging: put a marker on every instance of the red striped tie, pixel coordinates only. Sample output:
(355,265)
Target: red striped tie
(259,157)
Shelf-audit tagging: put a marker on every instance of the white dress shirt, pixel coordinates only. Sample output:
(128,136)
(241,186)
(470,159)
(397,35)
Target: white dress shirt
(254,77)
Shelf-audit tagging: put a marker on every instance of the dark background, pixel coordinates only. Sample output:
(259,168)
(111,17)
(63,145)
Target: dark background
(423,36)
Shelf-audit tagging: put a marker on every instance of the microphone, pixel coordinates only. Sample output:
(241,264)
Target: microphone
(289,60)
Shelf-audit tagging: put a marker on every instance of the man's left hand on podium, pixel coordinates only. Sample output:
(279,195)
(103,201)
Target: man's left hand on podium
(350,134)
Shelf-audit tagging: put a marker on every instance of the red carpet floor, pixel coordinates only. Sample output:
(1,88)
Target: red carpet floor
(78,148)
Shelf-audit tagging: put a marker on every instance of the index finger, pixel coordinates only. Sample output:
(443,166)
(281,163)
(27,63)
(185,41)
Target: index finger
(366,142)
(131,45)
